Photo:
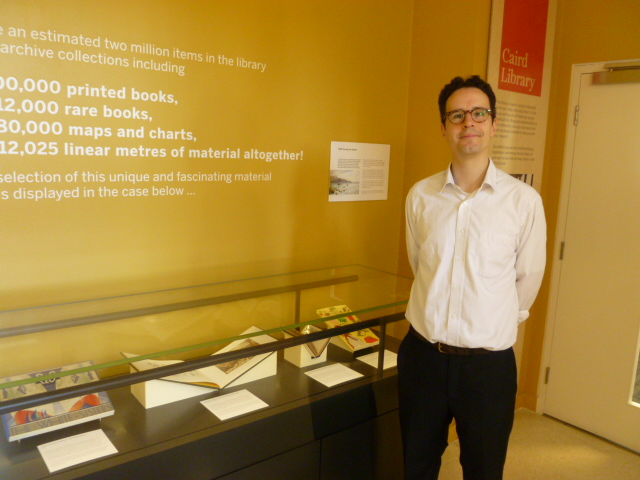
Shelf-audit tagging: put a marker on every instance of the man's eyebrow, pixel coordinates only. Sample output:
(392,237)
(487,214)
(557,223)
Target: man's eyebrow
(472,108)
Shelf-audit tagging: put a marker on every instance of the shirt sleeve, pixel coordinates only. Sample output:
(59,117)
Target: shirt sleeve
(413,247)
(531,257)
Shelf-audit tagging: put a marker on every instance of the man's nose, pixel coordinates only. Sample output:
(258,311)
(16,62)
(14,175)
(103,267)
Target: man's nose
(468,120)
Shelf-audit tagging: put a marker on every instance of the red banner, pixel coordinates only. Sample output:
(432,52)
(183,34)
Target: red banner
(524,34)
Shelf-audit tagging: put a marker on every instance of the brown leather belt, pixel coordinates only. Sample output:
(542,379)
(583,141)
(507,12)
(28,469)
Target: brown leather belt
(449,349)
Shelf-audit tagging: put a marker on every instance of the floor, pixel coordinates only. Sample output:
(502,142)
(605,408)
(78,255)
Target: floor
(542,448)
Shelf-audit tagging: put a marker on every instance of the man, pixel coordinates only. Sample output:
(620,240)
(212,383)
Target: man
(476,243)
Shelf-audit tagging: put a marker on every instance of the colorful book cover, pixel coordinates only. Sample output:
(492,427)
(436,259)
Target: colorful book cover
(53,416)
(354,341)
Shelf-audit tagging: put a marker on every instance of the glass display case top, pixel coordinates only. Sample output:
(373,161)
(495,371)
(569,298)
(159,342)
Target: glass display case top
(186,323)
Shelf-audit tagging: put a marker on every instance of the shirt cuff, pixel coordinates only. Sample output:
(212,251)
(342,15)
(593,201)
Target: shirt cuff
(523,315)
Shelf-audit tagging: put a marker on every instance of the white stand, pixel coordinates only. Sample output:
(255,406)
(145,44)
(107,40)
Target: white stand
(160,392)
(266,368)
(300,355)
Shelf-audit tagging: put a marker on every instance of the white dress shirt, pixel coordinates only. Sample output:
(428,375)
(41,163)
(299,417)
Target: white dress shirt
(478,259)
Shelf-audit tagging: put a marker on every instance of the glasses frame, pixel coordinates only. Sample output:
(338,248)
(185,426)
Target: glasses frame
(465,112)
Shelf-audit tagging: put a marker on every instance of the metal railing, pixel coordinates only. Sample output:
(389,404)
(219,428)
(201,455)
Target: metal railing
(196,363)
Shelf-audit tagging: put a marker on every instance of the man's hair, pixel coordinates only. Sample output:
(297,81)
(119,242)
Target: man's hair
(472,82)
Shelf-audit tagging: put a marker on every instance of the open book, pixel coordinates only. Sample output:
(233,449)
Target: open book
(315,348)
(215,376)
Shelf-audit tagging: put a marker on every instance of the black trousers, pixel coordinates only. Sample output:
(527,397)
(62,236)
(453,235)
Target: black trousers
(478,391)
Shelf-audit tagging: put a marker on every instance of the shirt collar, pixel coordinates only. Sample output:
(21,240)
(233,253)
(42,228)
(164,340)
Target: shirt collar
(490,178)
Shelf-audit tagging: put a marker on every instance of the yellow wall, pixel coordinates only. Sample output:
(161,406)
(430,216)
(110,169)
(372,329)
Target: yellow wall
(336,71)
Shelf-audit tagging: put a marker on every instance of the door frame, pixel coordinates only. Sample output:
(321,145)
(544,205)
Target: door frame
(556,267)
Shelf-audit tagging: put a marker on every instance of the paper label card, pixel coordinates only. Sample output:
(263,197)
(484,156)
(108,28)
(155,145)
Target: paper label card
(71,451)
(359,171)
(233,404)
(333,374)
(390,359)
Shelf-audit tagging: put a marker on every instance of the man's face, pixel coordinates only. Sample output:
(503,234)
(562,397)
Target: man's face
(469,138)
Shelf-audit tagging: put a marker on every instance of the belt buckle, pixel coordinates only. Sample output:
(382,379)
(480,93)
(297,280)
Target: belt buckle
(440,348)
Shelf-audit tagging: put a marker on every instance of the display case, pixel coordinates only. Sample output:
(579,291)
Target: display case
(141,346)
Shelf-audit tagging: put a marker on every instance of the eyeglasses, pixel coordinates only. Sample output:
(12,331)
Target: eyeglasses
(478,114)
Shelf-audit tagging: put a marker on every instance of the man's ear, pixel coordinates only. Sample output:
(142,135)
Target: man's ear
(494,126)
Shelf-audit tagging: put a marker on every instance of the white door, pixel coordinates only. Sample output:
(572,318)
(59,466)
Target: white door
(594,317)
